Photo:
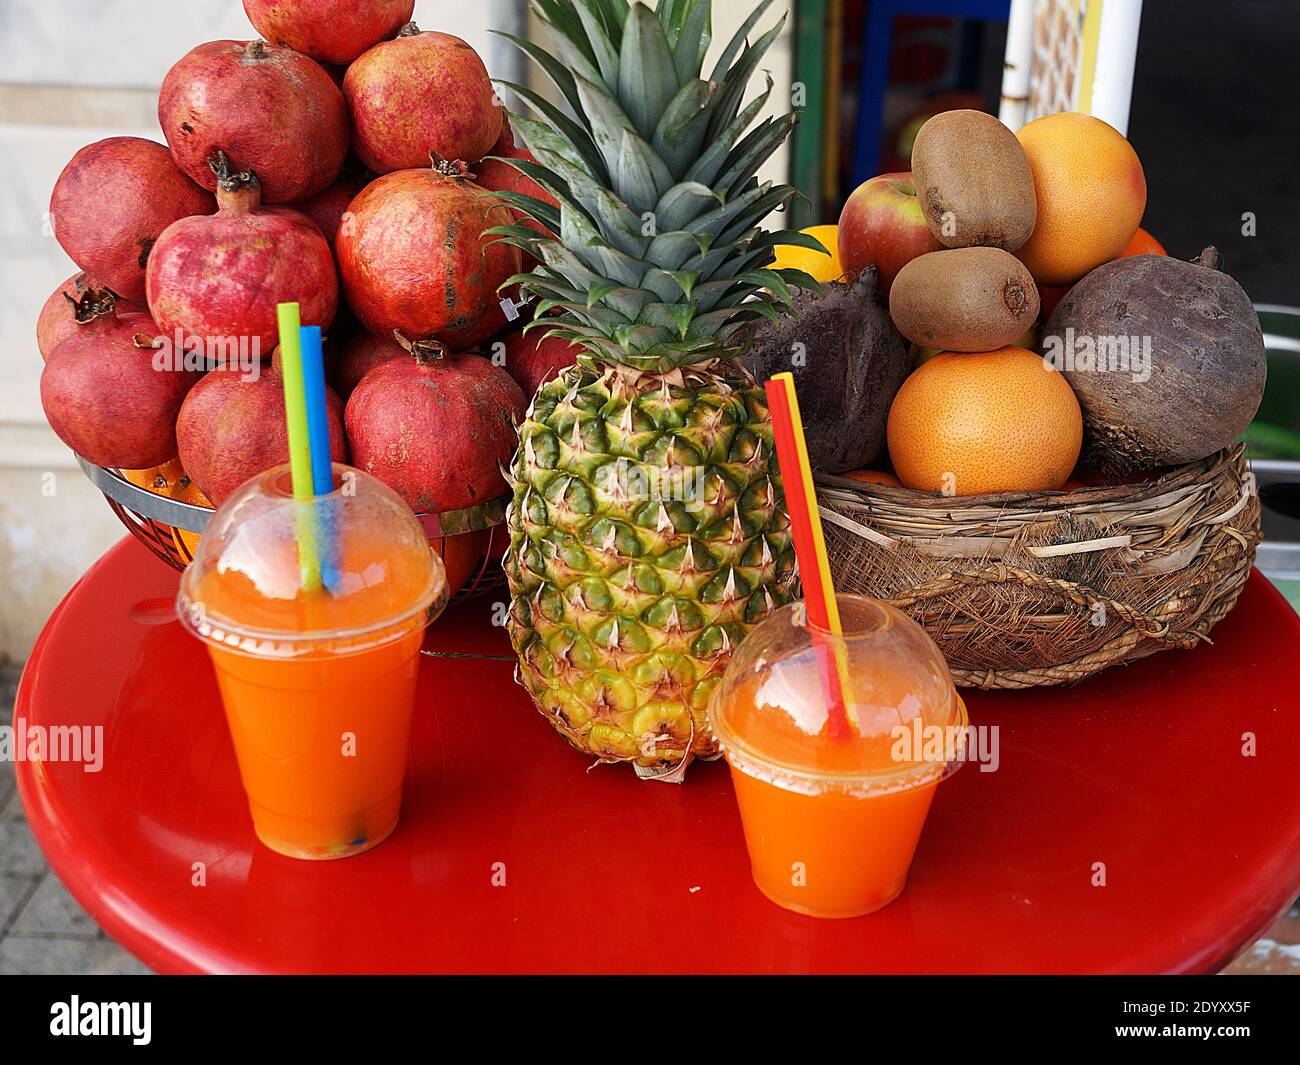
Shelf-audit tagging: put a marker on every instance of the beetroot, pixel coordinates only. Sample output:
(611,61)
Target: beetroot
(421,93)
(359,356)
(108,394)
(269,108)
(533,357)
(110,203)
(58,318)
(330,31)
(436,429)
(230,429)
(221,276)
(414,259)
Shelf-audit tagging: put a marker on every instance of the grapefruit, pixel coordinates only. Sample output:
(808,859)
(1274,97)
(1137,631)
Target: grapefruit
(1091,195)
(874,477)
(997,421)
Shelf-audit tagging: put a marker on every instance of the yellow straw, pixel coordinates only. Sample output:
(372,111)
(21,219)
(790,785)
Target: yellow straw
(295,409)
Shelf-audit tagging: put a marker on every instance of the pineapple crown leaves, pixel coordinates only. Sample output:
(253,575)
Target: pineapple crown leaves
(661,258)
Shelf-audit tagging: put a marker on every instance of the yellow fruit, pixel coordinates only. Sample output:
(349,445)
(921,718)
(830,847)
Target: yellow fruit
(157,479)
(186,491)
(1091,195)
(995,421)
(825,268)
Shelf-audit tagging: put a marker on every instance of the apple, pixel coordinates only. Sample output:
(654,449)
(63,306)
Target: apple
(883,225)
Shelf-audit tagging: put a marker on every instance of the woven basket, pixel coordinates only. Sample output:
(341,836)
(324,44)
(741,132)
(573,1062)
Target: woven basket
(1049,588)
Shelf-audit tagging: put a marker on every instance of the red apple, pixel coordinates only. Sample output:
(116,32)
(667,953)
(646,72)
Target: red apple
(882,225)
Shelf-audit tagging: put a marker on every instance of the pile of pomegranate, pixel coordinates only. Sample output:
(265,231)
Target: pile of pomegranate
(345,160)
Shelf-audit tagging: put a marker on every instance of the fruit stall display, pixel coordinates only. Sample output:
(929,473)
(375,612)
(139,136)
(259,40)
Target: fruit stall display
(617,434)
(1034,449)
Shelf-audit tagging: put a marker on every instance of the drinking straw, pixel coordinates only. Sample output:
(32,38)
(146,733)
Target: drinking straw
(809,546)
(318,437)
(300,468)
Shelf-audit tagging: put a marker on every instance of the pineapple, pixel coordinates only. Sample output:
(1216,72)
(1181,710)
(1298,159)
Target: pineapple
(648,529)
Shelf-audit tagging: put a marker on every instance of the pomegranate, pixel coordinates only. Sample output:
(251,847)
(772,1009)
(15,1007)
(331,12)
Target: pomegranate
(330,31)
(359,356)
(532,357)
(506,142)
(327,208)
(499,176)
(222,275)
(108,394)
(269,108)
(110,203)
(421,93)
(58,318)
(231,428)
(414,259)
(436,428)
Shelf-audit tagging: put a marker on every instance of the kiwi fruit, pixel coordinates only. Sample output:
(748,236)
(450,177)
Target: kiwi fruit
(974,183)
(964,299)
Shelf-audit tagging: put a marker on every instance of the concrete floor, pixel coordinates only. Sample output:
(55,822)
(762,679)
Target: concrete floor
(44,931)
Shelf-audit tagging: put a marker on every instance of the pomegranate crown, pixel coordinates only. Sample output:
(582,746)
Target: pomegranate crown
(230,179)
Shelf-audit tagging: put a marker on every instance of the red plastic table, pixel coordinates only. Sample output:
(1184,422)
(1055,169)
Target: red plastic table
(513,856)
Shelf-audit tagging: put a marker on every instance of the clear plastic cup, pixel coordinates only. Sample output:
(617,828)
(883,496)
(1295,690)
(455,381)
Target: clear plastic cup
(318,683)
(832,821)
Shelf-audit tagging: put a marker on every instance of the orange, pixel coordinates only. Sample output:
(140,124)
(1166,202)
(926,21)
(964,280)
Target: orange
(186,491)
(996,421)
(1091,195)
(157,479)
(874,477)
(1143,243)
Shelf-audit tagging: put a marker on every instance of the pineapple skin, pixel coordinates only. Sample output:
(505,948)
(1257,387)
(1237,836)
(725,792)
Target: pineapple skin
(648,534)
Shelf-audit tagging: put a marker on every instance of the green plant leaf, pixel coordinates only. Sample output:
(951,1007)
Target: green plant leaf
(647,79)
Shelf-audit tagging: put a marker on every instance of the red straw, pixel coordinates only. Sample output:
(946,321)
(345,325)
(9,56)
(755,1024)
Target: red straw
(796,478)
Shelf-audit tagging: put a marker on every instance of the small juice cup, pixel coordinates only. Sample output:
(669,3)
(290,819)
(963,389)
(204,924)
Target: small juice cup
(318,683)
(832,822)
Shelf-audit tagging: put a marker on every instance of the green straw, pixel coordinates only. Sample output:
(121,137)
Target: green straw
(295,410)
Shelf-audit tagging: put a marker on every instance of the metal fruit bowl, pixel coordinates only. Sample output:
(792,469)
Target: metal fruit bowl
(170,528)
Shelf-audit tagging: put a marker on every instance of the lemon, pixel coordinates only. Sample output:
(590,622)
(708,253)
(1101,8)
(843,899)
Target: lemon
(823,267)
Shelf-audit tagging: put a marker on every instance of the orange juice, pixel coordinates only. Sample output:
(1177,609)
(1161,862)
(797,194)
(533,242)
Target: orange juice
(322,742)
(318,683)
(832,822)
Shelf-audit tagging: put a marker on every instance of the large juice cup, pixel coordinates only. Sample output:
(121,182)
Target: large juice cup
(832,821)
(318,683)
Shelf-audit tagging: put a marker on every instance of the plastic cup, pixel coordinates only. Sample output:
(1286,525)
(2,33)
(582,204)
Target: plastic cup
(832,823)
(318,684)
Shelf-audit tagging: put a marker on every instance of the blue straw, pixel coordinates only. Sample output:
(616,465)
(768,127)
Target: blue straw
(322,470)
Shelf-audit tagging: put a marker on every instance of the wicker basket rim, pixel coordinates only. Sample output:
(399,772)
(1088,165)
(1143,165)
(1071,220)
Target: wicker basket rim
(1190,474)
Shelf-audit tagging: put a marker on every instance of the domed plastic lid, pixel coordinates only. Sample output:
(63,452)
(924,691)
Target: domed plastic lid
(906,725)
(247,589)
